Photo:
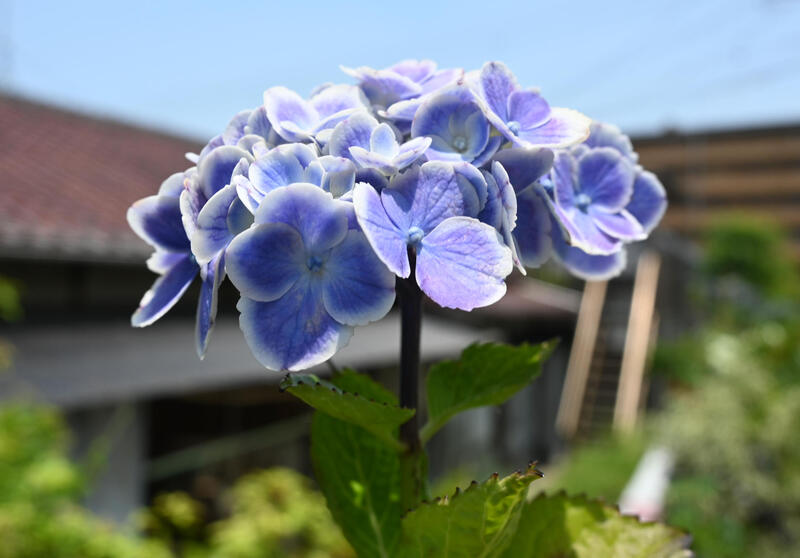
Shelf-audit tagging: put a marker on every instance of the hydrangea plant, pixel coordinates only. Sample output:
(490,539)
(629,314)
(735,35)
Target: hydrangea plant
(412,183)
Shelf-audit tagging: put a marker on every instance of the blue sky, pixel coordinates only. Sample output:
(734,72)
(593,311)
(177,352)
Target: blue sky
(187,66)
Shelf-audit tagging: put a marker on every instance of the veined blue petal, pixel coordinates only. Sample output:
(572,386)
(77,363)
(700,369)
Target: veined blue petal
(410,151)
(525,166)
(172,186)
(492,145)
(649,200)
(492,212)
(265,261)
(463,264)
(497,83)
(607,178)
(354,131)
(368,159)
(357,287)
(566,127)
(214,171)
(289,114)
(586,266)
(235,128)
(294,332)
(212,234)
(339,175)
(312,212)
(416,70)
(533,231)
(528,109)
(386,238)
(157,220)
(336,99)
(160,261)
(212,274)
(620,225)
(564,170)
(165,292)
(383,141)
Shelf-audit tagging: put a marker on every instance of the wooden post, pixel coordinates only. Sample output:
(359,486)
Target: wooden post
(580,357)
(637,342)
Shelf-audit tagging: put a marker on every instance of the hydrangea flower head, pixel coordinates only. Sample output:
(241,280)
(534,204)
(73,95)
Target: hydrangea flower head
(315,207)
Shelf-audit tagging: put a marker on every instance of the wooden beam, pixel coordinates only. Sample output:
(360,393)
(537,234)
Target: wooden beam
(720,152)
(637,342)
(580,357)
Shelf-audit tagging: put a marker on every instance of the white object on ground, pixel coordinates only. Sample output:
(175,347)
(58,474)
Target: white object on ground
(645,493)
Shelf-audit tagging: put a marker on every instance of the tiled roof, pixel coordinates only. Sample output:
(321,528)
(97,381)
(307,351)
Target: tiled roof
(66,181)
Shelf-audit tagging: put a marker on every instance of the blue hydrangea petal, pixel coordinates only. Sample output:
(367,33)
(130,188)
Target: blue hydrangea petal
(192,200)
(371,159)
(433,116)
(281,166)
(249,143)
(165,292)
(386,238)
(383,141)
(649,200)
(157,220)
(357,287)
(172,186)
(212,274)
(258,123)
(214,171)
(212,233)
(564,177)
(463,264)
(469,176)
(533,231)
(497,84)
(249,196)
(427,195)
(566,127)
(415,70)
(383,87)
(320,220)
(161,261)
(587,266)
(239,216)
(620,225)
(587,236)
(289,114)
(403,111)
(492,212)
(336,99)
(525,166)
(441,79)
(236,128)
(492,145)
(608,135)
(528,109)
(265,261)
(372,177)
(354,131)
(339,175)
(607,178)
(410,151)
(294,332)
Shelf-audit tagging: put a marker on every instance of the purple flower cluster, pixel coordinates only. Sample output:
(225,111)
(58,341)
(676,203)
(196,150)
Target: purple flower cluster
(314,207)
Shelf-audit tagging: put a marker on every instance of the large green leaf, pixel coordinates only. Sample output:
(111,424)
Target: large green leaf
(486,374)
(378,415)
(496,519)
(478,522)
(359,475)
(576,527)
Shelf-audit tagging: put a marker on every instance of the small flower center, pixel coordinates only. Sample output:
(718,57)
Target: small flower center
(514,126)
(460,143)
(414,235)
(583,201)
(314,263)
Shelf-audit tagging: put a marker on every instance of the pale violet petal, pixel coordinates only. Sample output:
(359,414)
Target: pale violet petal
(387,240)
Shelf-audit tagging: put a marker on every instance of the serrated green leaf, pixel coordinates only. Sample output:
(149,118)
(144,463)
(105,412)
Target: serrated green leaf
(378,415)
(486,374)
(478,522)
(576,527)
(359,475)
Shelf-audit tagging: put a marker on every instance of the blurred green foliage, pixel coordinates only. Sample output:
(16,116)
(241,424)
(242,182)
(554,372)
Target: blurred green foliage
(273,513)
(753,250)
(39,493)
